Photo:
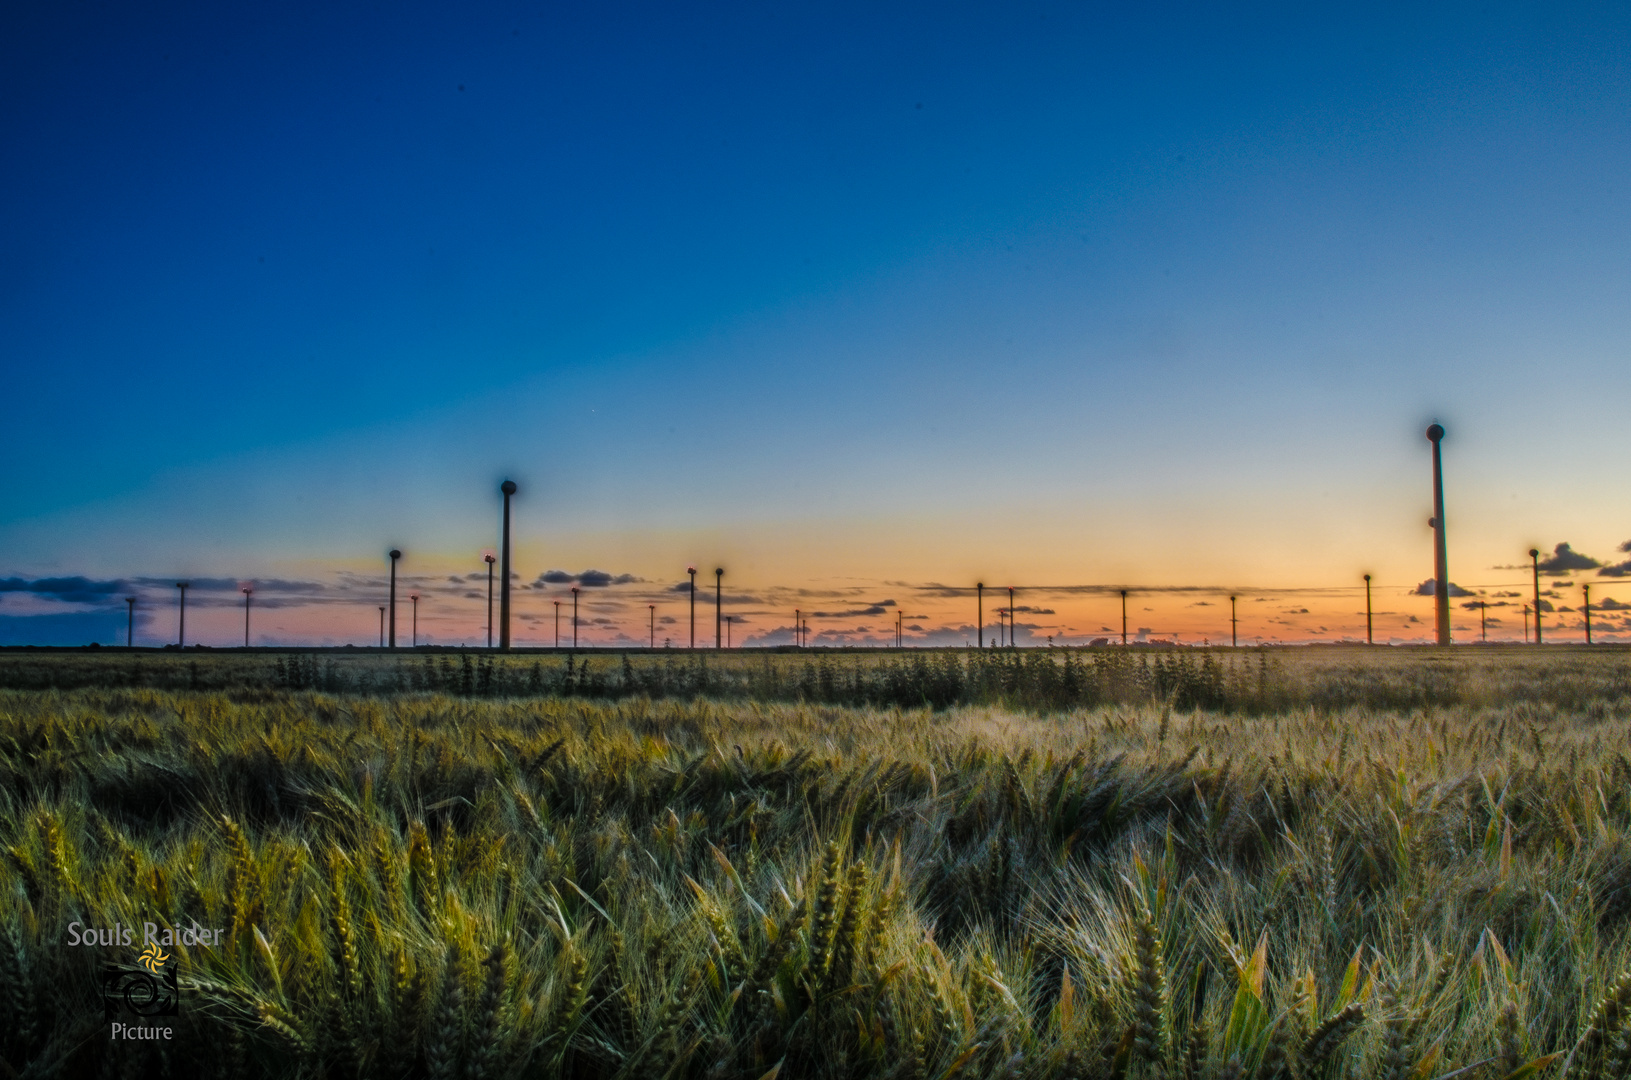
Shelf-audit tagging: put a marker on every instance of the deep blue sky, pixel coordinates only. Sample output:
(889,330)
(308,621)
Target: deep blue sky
(282,283)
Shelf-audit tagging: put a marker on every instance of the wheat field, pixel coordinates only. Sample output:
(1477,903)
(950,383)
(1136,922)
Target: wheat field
(1298,864)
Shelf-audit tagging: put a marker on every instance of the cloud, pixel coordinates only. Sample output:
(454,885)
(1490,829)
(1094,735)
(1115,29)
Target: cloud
(1621,569)
(1610,604)
(589,579)
(1430,587)
(70,590)
(1565,559)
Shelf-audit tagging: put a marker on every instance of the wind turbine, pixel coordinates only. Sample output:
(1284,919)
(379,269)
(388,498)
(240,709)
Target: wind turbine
(395,555)
(719,577)
(1369,638)
(1534,558)
(1441,569)
(693,572)
(181,634)
(247,590)
(489,558)
(508,489)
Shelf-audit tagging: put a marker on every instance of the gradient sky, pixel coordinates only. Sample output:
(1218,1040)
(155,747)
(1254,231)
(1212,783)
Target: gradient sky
(862,304)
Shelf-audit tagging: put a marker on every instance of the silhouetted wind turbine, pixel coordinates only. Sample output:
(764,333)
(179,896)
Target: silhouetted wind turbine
(1011,617)
(508,488)
(719,599)
(488,557)
(1124,616)
(1369,640)
(574,616)
(382,626)
(1234,625)
(979,613)
(1441,562)
(798,637)
(247,591)
(693,572)
(1483,621)
(1586,586)
(395,555)
(1526,624)
(557,624)
(1534,558)
(130,627)
(653,608)
(181,635)
(415,598)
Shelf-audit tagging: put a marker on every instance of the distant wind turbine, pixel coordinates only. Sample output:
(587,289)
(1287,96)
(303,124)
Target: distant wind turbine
(979,613)
(415,598)
(508,489)
(1369,637)
(1124,616)
(1234,626)
(1534,558)
(574,616)
(719,599)
(382,626)
(693,572)
(1586,586)
(653,608)
(248,591)
(1441,567)
(395,555)
(181,634)
(489,558)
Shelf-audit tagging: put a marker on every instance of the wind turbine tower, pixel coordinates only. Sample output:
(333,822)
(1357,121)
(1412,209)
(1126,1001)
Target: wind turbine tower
(395,555)
(508,488)
(1441,567)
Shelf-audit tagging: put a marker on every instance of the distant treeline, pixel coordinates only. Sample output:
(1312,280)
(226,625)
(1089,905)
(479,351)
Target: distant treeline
(1245,681)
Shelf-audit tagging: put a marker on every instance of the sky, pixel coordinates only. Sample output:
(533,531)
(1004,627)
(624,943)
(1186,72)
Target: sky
(864,304)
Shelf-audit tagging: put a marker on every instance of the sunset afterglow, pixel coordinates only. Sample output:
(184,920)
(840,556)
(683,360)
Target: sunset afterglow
(864,307)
